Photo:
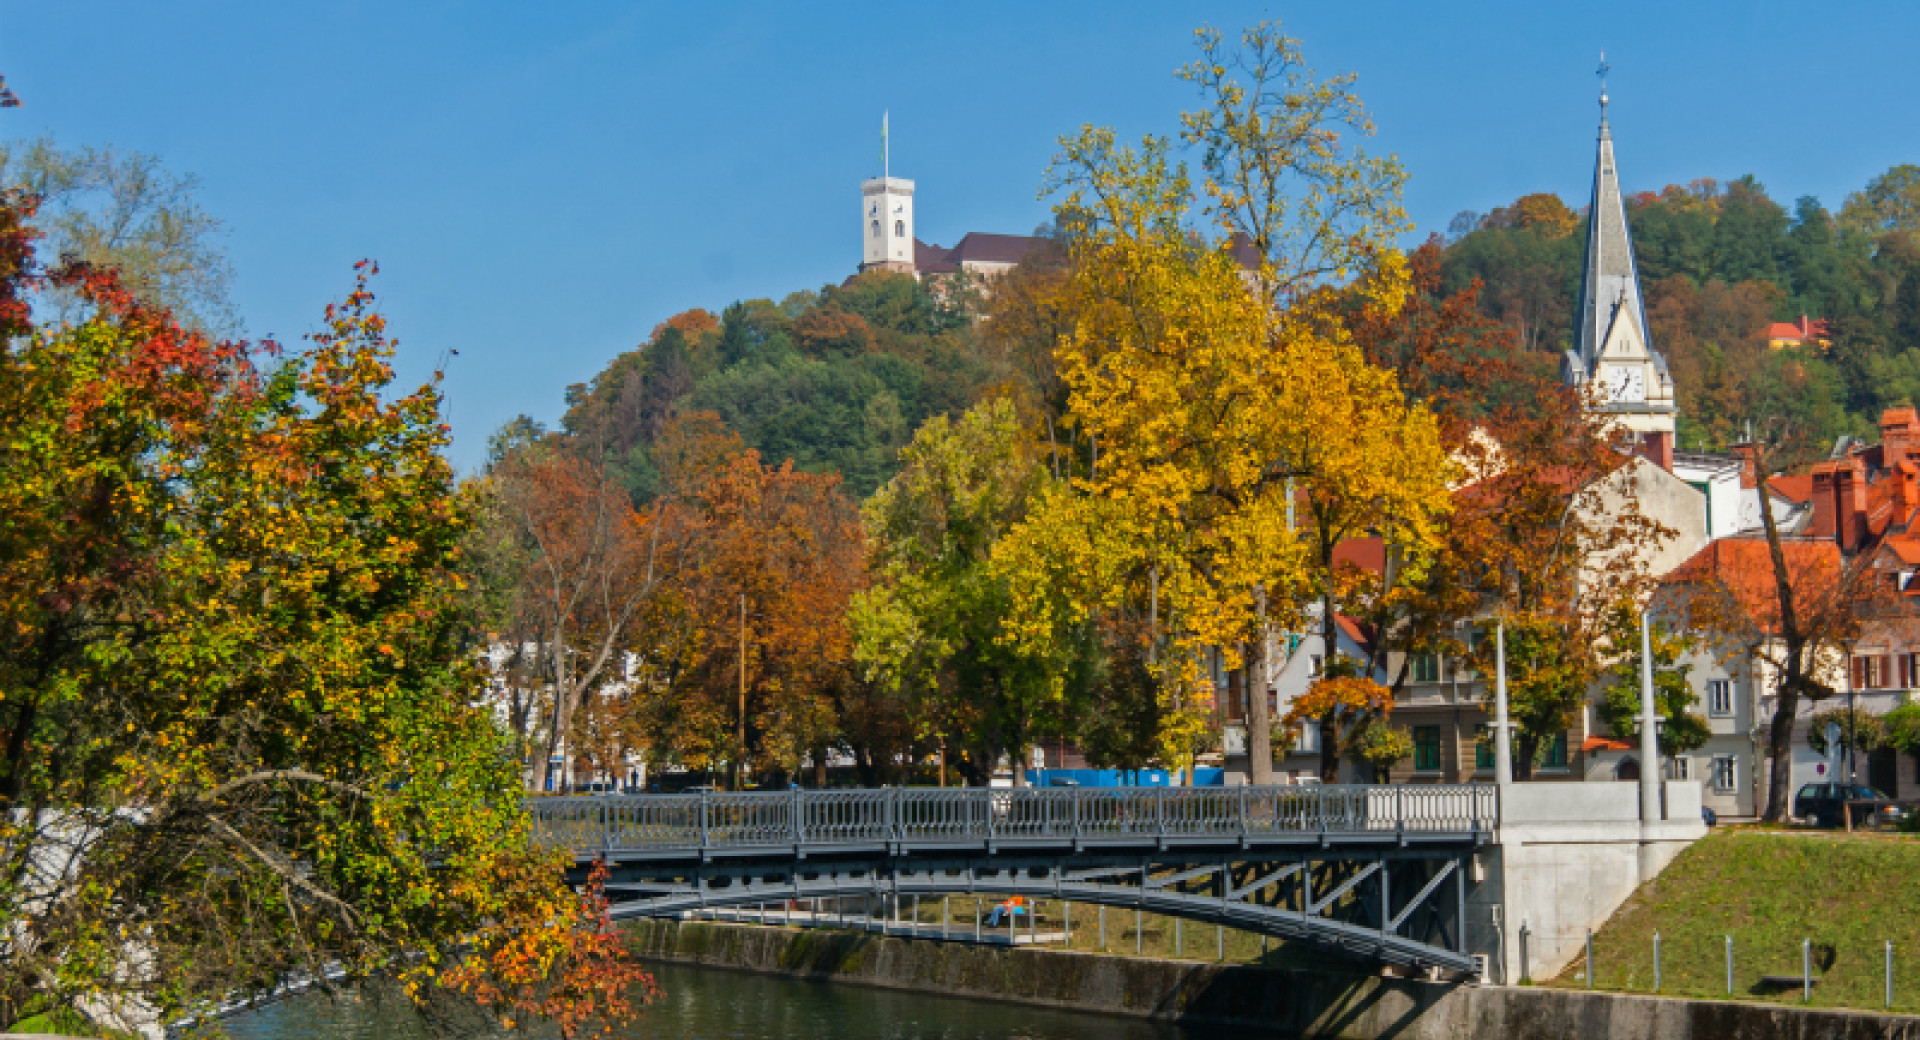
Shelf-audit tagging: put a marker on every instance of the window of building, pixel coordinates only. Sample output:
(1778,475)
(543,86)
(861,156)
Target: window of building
(1426,667)
(1309,739)
(1720,697)
(1316,665)
(1426,748)
(1872,671)
(1679,767)
(876,229)
(899,229)
(1723,774)
(1556,753)
(1483,746)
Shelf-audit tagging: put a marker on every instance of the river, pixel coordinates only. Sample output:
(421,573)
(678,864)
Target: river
(704,1004)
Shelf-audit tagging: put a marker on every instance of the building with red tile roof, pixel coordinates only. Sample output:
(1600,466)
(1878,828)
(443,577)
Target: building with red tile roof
(1784,334)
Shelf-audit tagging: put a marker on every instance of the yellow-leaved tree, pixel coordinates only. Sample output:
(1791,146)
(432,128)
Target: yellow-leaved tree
(1222,406)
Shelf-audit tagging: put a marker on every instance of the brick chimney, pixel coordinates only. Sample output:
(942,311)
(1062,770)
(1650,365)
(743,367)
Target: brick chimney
(1898,436)
(1749,465)
(1850,502)
(1658,449)
(1825,503)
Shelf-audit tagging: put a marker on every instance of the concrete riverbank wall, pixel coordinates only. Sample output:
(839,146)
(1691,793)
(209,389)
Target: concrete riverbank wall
(1285,1002)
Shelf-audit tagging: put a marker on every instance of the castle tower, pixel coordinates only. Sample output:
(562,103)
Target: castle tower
(1611,341)
(886,228)
(886,216)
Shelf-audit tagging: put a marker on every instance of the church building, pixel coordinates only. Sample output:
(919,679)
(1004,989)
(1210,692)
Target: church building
(1612,344)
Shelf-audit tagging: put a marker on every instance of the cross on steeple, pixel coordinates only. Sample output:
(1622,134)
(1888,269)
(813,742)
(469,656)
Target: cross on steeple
(1602,73)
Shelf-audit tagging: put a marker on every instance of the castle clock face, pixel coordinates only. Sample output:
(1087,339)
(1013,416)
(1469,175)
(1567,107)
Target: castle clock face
(1627,383)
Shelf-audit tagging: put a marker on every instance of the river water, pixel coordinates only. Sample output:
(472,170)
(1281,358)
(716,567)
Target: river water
(704,1004)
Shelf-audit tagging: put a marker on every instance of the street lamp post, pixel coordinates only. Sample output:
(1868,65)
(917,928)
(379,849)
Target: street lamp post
(1853,772)
(740,767)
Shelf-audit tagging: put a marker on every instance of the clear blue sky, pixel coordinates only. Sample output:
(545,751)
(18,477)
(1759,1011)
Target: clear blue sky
(544,182)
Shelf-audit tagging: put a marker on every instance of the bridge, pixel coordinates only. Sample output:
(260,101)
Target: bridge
(1376,873)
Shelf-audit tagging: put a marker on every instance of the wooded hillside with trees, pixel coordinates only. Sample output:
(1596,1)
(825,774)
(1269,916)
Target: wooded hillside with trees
(1719,262)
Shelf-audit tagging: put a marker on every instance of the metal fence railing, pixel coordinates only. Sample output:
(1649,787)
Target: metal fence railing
(745,821)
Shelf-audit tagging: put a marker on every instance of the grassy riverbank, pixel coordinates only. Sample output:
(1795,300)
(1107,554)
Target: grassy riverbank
(1769,889)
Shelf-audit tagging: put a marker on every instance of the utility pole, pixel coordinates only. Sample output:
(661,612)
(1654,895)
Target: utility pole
(740,766)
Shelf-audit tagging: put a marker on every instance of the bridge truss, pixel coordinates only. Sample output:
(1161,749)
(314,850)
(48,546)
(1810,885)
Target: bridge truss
(1374,873)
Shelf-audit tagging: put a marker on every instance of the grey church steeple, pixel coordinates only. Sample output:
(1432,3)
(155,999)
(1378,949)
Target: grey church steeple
(1611,341)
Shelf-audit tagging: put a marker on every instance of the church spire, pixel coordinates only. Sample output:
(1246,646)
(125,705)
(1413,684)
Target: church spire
(1609,286)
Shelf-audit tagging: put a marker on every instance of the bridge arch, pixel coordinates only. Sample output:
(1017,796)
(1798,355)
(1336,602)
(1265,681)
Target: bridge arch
(1374,874)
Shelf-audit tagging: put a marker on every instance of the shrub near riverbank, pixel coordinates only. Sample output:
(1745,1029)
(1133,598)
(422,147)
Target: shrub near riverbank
(1769,889)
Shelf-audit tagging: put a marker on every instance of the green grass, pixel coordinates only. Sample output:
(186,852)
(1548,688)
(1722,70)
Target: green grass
(1769,889)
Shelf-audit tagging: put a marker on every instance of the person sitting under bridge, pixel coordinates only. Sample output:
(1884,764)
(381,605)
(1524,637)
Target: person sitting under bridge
(1013,907)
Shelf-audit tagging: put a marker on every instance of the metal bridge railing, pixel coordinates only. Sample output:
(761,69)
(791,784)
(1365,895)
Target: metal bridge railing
(720,821)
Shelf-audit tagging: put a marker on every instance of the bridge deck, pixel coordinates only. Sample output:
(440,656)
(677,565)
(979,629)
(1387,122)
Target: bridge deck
(910,821)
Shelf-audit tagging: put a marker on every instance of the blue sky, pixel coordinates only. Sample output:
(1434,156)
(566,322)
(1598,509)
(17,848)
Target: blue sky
(544,182)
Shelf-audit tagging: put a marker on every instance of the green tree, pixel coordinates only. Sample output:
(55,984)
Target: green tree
(1889,203)
(929,628)
(1379,748)
(1681,729)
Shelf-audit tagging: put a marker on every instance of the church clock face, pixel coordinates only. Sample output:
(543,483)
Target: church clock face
(1626,383)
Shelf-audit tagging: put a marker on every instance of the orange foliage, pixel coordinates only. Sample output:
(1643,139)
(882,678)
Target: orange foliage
(693,324)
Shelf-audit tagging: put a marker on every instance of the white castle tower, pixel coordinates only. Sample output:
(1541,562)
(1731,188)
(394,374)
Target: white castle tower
(886,217)
(1611,341)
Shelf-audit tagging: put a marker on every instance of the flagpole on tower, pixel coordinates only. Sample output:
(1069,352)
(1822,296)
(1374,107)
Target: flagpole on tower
(886,157)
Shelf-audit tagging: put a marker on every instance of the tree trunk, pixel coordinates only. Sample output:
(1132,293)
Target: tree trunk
(1329,749)
(820,768)
(1259,724)
(1780,755)
(1329,651)
(1780,733)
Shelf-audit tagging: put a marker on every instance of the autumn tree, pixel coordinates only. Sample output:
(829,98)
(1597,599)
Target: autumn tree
(1351,713)
(1794,605)
(1544,528)
(1214,398)
(758,674)
(583,568)
(238,738)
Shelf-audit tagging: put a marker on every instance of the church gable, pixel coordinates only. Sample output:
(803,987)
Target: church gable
(1623,341)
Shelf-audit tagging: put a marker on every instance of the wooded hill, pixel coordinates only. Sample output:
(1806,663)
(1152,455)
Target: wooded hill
(838,379)
(1718,263)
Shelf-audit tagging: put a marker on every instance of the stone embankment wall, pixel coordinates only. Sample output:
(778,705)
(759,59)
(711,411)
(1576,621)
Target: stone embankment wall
(1289,1003)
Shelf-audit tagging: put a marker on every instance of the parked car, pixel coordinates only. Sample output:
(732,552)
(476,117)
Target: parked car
(1709,817)
(1824,803)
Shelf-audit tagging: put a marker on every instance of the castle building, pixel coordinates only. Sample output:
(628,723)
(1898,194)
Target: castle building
(889,242)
